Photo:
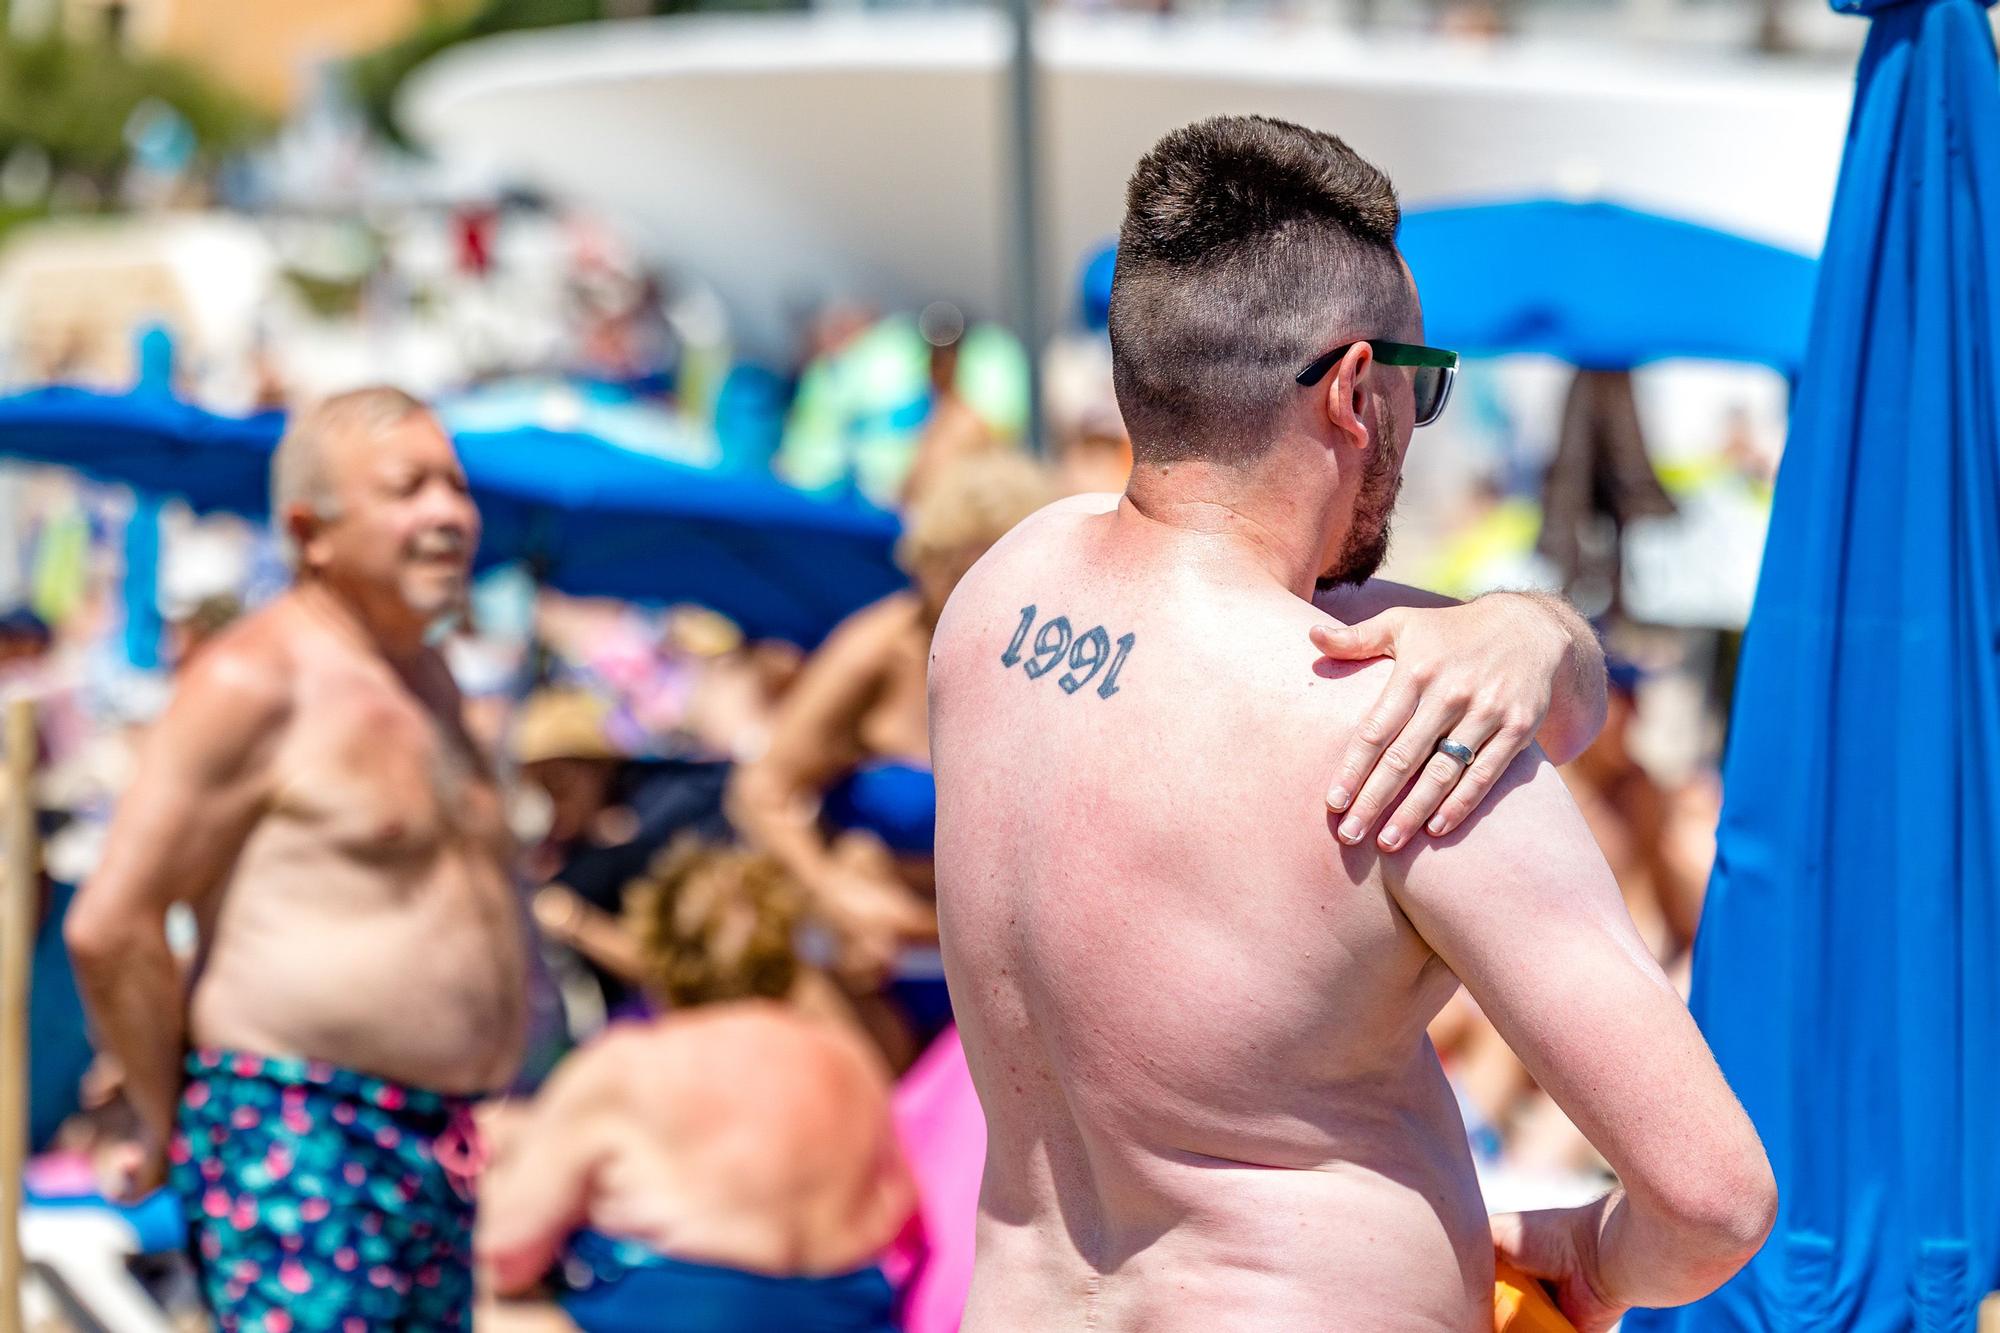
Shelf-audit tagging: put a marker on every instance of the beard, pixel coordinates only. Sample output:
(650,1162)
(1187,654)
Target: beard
(429,587)
(1367,544)
(430,595)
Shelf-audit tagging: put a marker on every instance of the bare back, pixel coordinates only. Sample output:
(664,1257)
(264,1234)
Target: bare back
(369,918)
(1195,1019)
(742,1134)
(753,1137)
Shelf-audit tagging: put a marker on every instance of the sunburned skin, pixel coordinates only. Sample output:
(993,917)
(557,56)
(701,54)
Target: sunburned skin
(1168,987)
(740,1134)
(370,919)
(1195,1019)
(312,793)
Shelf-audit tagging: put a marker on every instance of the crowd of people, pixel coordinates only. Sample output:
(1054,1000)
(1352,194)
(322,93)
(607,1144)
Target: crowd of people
(729,845)
(676,1085)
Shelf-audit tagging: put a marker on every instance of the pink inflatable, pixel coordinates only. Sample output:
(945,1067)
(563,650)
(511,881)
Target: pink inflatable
(943,1133)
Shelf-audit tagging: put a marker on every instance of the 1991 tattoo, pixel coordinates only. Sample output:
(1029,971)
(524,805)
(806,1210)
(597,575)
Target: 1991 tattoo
(1087,653)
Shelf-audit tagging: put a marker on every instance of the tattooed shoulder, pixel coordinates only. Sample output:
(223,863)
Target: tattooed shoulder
(1055,643)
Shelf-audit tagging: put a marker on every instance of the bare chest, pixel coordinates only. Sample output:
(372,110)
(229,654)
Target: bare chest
(378,774)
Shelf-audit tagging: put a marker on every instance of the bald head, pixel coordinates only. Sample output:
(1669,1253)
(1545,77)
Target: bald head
(301,469)
(373,504)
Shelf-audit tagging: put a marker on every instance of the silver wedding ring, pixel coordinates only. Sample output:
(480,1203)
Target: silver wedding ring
(1462,753)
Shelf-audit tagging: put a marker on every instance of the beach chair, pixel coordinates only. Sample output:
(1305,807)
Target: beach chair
(79,1249)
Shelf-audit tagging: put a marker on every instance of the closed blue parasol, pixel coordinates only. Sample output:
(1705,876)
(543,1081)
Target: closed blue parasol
(1847,971)
(589,518)
(1604,287)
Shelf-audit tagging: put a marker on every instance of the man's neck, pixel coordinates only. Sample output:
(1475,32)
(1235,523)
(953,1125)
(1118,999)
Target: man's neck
(1246,513)
(400,642)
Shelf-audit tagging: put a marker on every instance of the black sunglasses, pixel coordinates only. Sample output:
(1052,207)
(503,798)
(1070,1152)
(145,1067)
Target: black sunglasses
(1436,368)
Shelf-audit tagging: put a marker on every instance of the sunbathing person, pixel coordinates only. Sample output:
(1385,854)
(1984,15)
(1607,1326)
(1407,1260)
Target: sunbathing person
(729,1166)
(843,796)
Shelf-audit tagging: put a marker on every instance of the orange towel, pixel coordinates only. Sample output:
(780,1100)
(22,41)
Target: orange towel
(1522,1305)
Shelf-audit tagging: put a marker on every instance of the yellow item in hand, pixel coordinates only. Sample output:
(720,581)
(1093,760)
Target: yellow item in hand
(1522,1305)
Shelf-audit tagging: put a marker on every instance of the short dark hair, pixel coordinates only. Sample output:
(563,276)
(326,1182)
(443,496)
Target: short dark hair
(1246,243)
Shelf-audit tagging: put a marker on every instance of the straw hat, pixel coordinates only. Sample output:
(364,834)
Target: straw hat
(700,632)
(562,723)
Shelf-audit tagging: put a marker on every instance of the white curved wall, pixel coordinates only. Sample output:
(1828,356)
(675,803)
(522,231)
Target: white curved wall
(790,158)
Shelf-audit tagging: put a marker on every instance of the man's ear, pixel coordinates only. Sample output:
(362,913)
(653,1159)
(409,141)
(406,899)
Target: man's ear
(304,524)
(1347,396)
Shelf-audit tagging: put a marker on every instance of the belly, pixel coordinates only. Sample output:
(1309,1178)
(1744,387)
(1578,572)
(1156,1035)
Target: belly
(421,981)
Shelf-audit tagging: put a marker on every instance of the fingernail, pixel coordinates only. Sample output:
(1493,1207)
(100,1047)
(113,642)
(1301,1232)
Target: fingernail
(1351,831)
(1437,825)
(1338,798)
(1392,837)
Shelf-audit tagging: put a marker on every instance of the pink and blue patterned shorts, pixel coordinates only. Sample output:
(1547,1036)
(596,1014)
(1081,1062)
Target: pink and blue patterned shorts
(322,1199)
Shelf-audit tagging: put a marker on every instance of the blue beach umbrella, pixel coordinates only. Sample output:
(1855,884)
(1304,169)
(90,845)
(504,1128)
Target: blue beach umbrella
(589,518)
(1604,287)
(1847,971)
(603,412)
(147,441)
(597,520)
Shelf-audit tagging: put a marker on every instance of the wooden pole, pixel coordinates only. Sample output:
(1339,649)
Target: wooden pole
(18,895)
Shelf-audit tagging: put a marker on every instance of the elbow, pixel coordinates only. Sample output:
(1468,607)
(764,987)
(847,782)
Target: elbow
(517,1247)
(740,790)
(104,936)
(1755,1214)
(514,1268)
(753,800)
(739,800)
(1728,1216)
(94,936)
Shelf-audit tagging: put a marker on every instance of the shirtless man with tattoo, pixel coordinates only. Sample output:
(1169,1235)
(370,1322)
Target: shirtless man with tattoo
(312,794)
(1193,1003)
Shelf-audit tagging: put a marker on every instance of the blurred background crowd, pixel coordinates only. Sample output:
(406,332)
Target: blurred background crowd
(221,202)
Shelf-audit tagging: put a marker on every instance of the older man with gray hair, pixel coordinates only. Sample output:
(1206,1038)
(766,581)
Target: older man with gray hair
(312,794)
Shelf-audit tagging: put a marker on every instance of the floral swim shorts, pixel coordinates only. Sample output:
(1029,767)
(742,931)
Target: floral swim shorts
(322,1199)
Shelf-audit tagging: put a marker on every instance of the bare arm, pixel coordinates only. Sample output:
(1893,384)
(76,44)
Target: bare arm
(1491,674)
(1521,906)
(1576,703)
(538,1190)
(202,780)
(774,801)
(591,931)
